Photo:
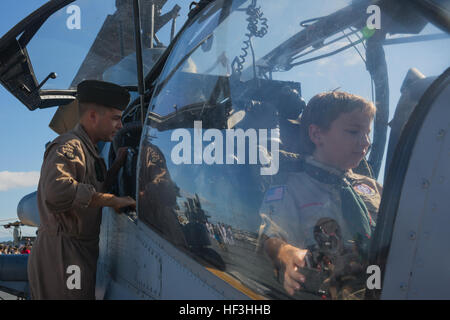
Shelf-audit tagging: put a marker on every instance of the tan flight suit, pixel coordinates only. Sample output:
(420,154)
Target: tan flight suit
(71,173)
(291,209)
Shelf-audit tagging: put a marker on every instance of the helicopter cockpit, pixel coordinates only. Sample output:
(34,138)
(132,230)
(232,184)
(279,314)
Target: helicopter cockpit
(225,112)
(213,128)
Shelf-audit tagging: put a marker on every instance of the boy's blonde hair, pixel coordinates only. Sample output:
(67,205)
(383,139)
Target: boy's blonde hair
(326,107)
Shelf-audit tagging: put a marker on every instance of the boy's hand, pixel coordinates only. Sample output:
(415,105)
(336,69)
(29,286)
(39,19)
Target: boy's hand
(291,259)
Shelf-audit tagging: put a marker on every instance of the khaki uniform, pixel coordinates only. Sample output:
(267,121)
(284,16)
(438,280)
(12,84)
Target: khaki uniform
(291,210)
(71,173)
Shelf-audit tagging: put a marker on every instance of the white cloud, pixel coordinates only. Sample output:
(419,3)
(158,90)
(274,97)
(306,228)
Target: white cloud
(11,180)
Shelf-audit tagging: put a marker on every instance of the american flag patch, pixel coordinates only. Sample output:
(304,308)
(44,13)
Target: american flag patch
(275,194)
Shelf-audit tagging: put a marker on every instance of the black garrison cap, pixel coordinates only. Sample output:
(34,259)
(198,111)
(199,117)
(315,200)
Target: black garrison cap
(104,93)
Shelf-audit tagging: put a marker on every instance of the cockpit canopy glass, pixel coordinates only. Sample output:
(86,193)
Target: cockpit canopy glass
(223,171)
(95,40)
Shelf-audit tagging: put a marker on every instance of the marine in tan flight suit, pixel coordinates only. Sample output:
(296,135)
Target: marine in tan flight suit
(71,195)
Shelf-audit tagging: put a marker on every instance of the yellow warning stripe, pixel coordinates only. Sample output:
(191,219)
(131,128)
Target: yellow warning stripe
(236,284)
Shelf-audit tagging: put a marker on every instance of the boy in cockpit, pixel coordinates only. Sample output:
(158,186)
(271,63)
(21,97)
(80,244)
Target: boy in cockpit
(323,206)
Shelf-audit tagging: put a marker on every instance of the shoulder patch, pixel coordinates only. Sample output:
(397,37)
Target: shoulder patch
(275,194)
(364,189)
(68,151)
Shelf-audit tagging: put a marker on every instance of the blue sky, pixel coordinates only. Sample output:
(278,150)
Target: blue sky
(24,133)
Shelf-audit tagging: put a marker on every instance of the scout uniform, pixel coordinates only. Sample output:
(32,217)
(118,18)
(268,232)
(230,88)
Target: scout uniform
(291,211)
(63,261)
(331,213)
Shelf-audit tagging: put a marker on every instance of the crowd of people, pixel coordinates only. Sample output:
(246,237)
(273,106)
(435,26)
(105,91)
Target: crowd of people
(220,232)
(11,249)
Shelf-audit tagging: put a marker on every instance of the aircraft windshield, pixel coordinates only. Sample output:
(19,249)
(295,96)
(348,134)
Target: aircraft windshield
(224,169)
(95,40)
(203,53)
